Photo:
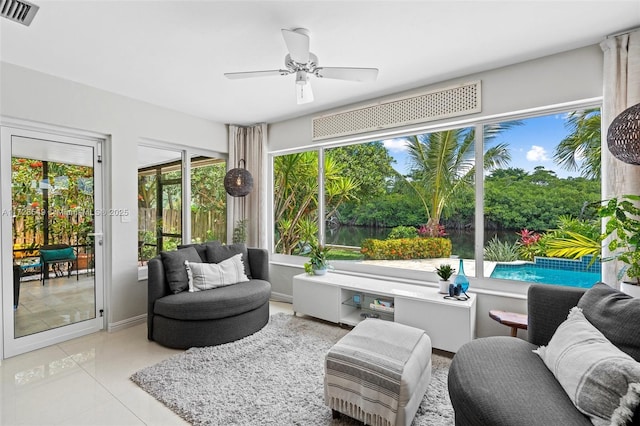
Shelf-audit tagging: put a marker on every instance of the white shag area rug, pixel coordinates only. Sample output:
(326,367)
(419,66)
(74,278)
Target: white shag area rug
(273,377)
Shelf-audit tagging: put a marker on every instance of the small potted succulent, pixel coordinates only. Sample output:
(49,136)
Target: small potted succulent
(623,228)
(318,262)
(444,271)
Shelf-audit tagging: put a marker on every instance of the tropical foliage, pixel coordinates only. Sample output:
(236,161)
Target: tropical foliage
(443,164)
(623,226)
(52,203)
(515,199)
(580,151)
(295,197)
(574,238)
(501,251)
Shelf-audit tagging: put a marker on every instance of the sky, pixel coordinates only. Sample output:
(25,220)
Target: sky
(531,144)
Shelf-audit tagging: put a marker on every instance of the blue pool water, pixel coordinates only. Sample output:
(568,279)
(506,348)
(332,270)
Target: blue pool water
(531,272)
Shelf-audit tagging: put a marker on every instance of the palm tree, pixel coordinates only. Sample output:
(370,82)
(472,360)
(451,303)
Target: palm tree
(583,143)
(443,163)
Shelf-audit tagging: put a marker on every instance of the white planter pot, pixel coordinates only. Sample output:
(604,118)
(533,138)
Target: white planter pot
(630,289)
(320,271)
(444,286)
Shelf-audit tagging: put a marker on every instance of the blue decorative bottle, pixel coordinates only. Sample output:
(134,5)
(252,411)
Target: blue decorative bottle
(461,278)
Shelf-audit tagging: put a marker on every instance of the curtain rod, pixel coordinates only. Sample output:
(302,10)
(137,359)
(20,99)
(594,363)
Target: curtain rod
(630,30)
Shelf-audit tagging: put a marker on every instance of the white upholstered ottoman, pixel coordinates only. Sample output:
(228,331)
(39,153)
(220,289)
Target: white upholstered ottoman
(378,373)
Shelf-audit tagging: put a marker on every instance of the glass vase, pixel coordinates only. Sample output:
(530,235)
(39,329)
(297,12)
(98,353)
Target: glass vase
(461,278)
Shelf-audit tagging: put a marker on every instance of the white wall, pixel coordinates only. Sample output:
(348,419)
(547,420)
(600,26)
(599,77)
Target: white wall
(30,95)
(562,78)
(551,80)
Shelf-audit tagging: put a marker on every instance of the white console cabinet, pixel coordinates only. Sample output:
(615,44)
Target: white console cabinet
(449,323)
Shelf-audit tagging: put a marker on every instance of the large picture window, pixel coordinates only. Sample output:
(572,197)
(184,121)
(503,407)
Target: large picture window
(410,202)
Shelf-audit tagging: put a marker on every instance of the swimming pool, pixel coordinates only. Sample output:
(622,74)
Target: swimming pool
(532,272)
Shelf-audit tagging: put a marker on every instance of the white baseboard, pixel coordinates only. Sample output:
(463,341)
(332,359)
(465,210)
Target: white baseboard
(129,322)
(281,297)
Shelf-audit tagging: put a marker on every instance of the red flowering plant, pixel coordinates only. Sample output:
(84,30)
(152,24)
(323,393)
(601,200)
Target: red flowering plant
(431,230)
(530,244)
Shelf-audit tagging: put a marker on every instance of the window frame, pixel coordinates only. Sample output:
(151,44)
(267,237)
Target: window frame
(186,154)
(479,283)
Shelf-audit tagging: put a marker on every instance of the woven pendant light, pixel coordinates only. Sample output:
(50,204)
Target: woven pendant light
(238,182)
(623,137)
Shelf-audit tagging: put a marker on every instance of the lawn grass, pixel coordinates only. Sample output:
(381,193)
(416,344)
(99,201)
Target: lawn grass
(340,254)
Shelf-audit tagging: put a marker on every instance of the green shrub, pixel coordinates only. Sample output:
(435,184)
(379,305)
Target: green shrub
(498,251)
(406,248)
(402,232)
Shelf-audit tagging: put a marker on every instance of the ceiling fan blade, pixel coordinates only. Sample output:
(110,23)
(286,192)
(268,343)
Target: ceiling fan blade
(343,73)
(251,74)
(298,45)
(304,95)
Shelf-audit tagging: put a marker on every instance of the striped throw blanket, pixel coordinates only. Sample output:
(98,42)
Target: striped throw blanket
(363,371)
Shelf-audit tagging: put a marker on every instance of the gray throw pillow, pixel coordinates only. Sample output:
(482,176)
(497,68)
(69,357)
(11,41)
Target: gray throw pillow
(216,254)
(601,380)
(616,315)
(174,268)
(201,248)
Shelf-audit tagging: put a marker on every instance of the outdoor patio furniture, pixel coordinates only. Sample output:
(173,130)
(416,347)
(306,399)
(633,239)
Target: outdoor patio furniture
(56,254)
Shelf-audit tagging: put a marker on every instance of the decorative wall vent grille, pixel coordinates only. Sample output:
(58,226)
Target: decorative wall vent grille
(428,106)
(18,11)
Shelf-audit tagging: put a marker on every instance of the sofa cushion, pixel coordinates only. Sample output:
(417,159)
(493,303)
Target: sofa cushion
(207,276)
(216,254)
(602,381)
(201,248)
(217,303)
(616,315)
(174,268)
(500,381)
(58,254)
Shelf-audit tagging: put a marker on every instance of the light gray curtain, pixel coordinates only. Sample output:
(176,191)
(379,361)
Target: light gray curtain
(621,90)
(249,144)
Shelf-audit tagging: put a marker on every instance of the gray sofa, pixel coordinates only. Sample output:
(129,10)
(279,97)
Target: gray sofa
(183,319)
(500,381)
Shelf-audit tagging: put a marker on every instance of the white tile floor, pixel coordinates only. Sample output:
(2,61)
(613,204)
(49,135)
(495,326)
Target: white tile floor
(85,381)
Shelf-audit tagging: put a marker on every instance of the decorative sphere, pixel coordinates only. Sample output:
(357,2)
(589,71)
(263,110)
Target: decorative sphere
(238,182)
(623,137)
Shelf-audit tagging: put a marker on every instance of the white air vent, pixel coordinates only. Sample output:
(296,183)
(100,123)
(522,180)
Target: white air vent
(18,11)
(428,106)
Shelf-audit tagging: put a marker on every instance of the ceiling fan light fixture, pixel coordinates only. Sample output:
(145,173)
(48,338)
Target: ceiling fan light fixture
(302,77)
(304,95)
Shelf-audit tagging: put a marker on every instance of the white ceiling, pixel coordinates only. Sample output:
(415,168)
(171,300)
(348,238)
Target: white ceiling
(174,53)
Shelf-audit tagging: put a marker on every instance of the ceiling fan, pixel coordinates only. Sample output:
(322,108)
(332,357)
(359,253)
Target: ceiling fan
(303,63)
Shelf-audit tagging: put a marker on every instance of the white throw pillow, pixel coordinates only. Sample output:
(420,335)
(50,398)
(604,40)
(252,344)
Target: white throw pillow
(602,381)
(205,276)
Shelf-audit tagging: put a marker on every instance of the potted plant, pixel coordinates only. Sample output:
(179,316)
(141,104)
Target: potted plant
(444,271)
(318,262)
(623,227)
